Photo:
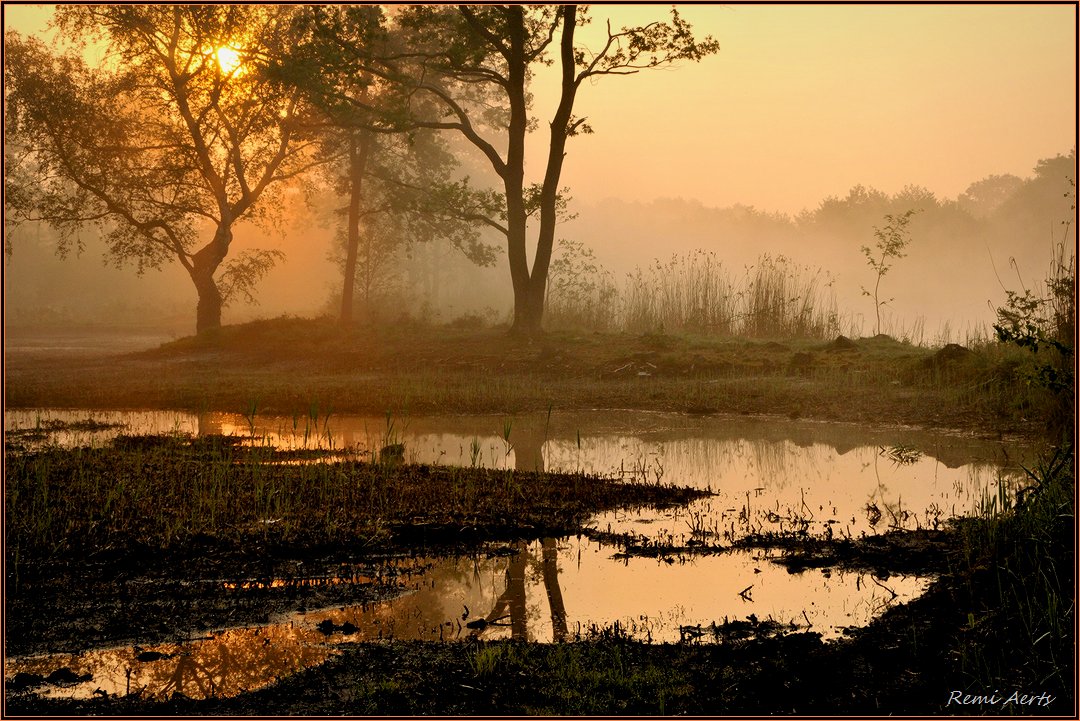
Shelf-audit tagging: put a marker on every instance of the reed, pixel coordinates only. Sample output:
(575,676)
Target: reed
(164,491)
(1019,563)
(695,292)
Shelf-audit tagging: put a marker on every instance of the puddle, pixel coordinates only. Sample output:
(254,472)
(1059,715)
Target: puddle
(766,476)
(781,487)
(545,591)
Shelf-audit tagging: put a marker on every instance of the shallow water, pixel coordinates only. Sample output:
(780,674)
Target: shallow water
(550,590)
(96,342)
(766,475)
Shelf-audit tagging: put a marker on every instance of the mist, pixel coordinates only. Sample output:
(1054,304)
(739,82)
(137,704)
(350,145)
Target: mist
(517,339)
(964,253)
(702,157)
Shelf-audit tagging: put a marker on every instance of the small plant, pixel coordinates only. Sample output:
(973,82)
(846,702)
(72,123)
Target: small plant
(507,424)
(900,454)
(892,239)
(253,408)
(487,660)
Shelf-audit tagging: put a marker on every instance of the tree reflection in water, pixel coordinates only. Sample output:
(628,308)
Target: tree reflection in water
(237,660)
(528,445)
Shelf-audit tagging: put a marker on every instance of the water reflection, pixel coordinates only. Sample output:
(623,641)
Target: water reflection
(223,664)
(779,487)
(515,592)
(765,476)
(700,451)
(449,439)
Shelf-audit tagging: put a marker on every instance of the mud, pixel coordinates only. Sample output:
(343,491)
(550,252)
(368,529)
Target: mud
(897,665)
(903,662)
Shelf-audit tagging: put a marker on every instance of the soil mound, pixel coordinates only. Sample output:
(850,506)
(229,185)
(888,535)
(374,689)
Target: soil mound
(951,353)
(842,343)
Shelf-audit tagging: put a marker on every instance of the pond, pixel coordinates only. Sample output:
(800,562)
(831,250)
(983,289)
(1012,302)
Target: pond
(766,475)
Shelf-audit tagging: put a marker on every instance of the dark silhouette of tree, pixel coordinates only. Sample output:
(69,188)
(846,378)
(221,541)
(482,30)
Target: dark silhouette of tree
(177,133)
(554,590)
(511,602)
(475,64)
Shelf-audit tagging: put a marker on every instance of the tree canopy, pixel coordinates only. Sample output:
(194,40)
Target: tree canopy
(174,136)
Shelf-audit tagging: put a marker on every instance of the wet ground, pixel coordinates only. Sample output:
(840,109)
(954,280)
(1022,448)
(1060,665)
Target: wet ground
(902,663)
(811,533)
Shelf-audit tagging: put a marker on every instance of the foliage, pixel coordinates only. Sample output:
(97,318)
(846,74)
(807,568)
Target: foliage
(474,63)
(399,180)
(1045,324)
(581,293)
(892,239)
(160,144)
(985,196)
(241,274)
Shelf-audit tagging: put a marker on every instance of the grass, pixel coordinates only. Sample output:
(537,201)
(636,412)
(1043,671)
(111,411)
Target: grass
(578,679)
(165,492)
(1010,586)
(289,366)
(695,292)
(1019,566)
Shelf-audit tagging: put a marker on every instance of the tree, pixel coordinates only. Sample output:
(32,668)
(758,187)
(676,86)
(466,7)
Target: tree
(475,64)
(892,239)
(397,177)
(985,196)
(177,134)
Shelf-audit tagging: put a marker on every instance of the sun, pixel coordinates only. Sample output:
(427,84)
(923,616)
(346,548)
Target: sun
(228,59)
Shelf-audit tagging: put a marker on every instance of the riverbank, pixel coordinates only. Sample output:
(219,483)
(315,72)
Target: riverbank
(135,542)
(289,366)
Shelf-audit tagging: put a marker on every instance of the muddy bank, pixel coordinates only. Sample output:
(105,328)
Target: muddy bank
(911,660)
(903,663)
(289,364)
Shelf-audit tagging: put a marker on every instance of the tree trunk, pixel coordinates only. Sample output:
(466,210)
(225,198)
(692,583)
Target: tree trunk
(530,295)
(359,151)
(526,322)
(203,266)
(529,308)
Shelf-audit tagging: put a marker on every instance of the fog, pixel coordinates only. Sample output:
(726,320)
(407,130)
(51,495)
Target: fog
(795,140)
(957,266)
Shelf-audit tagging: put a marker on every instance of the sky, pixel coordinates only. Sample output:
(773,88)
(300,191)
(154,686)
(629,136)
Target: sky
(803,102)
(806,101)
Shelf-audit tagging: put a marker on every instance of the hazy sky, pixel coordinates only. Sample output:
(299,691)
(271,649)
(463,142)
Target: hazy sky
(801,102)
(806,101)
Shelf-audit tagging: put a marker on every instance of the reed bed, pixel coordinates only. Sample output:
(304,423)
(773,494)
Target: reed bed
(1019,563)
(695,292)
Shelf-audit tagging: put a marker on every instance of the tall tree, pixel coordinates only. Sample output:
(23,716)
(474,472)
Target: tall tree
(399,195)
(397,177)
(476,62)
(176,134)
